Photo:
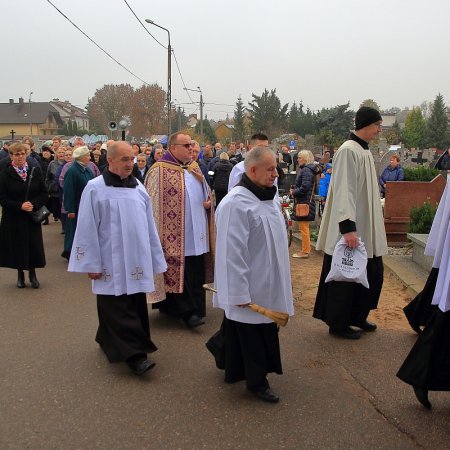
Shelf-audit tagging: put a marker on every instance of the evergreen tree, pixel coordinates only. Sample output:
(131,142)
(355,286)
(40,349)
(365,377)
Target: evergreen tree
(338,120)
(370,103)
(415,129)
(294,123)
(437,124)
(180,120)
(239,127)
(309,124)
(267,115)
(208,133)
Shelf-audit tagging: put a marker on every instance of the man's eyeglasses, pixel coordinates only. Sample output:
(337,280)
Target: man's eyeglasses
(185,145)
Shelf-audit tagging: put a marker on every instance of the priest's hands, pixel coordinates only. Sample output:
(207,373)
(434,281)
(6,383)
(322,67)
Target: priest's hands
(351,239)
(207,204)
(94,276)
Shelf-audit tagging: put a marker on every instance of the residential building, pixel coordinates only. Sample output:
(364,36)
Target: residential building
(25,118)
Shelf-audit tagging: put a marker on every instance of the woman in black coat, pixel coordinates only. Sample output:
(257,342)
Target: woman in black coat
(21,244)
(304,194)
(222,170)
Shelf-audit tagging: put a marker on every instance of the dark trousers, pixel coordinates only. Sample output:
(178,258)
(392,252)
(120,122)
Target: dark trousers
(56,207)
(341,304)
(247,352)
(124,329)
(193,298)
(70,228)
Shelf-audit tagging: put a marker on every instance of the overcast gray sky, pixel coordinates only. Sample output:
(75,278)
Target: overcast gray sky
(324,52)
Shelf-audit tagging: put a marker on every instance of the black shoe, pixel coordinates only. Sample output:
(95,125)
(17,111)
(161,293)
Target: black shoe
(422,396)
(141,365)
(267,395)
(66,254)
(20,279)
(194,321)
(366,326)
(33,280)
(63,232)
(55,219)
(45,222)
(346,333)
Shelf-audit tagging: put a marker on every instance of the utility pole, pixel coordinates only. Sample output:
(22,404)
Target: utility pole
(201,117)
(169,76)
(29,115)
(201,111)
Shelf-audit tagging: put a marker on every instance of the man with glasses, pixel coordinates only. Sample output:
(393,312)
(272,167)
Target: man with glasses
(352,211)
(181,199)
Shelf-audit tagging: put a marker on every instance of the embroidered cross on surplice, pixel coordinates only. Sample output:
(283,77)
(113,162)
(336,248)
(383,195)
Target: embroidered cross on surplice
(79,253)
(105,275)
(137,273)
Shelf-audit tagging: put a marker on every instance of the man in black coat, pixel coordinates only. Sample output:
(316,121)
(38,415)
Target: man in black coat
(4,153)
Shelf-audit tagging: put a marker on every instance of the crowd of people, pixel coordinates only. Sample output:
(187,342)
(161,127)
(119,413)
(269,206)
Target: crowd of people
(154,225)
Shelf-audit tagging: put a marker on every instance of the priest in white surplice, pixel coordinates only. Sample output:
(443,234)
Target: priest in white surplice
(353,210)
(251,265)
(117,245)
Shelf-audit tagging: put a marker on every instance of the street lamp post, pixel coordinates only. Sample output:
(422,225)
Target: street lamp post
(169,76)
(29,114)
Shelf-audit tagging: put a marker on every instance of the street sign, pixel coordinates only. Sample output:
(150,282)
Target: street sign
(291,145)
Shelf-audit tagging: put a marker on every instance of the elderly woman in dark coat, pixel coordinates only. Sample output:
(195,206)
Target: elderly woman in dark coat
(21,244)
(304,194)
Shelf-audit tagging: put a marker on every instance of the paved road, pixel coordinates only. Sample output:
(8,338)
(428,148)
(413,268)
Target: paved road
(58,391)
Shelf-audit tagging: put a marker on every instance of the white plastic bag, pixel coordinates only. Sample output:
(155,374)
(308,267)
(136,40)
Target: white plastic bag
(349,264)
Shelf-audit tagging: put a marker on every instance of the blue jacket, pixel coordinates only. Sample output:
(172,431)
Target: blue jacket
(324,182)
(391,174)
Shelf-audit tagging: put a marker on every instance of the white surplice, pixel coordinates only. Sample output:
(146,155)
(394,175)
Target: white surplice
(116,236)
(353,195)
(438,245)
(252,257)
(235,175)
(196,234)
(435,242)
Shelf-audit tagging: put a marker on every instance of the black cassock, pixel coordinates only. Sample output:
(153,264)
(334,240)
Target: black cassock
(124,329)
(419,310)
(427,365)
(247,352)
(193,298)
(341,304)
